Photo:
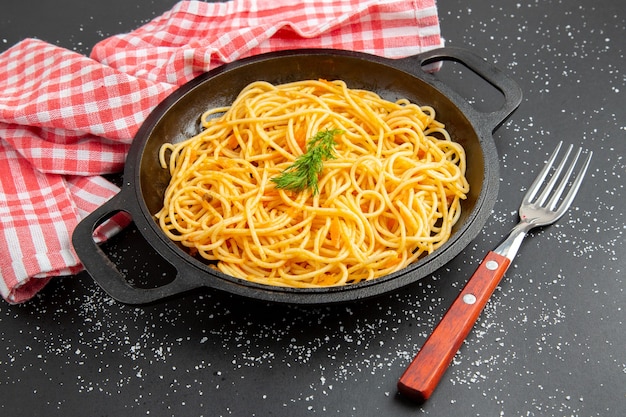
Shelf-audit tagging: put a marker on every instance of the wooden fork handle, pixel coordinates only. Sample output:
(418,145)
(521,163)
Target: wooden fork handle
(425,371)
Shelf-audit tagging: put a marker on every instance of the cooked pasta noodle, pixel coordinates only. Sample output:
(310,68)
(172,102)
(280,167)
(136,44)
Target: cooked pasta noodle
(391,195)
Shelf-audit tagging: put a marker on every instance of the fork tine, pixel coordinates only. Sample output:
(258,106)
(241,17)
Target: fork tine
(575,185)
(548,188)
(536,185)
(554,199)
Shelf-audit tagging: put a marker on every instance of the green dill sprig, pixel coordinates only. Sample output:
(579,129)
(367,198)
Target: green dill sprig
(305,170)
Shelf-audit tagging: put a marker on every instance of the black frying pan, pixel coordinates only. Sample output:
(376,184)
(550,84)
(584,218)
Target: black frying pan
(176,119)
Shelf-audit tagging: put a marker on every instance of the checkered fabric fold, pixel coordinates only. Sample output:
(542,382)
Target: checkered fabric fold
(67,119)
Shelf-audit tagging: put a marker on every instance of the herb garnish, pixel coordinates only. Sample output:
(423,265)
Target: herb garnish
(305,170)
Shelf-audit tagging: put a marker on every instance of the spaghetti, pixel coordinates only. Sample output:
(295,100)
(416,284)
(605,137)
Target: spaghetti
(390,195)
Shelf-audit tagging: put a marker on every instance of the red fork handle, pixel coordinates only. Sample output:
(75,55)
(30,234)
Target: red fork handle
(425,371)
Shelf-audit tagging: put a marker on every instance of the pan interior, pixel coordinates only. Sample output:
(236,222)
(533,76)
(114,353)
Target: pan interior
(179,120)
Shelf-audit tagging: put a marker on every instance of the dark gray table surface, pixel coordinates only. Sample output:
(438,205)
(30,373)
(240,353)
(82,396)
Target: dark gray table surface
(551,342)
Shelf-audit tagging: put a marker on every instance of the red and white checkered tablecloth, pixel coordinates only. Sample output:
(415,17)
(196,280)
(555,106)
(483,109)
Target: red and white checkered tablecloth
(66,119)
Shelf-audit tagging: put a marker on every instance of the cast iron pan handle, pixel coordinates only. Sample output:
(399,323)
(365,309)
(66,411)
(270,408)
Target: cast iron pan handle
(105,272)
(508,87)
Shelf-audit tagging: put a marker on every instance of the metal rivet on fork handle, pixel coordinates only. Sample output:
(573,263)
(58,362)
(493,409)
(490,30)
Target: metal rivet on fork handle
(491,265)
(469,298)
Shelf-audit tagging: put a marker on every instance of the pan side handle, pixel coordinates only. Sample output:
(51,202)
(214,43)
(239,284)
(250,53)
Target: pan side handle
(497,78)
(106,273)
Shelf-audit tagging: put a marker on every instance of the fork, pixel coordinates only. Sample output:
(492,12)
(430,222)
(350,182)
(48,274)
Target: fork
(542,205)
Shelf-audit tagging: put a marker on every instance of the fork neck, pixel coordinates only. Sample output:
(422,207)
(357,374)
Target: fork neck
(512,243)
